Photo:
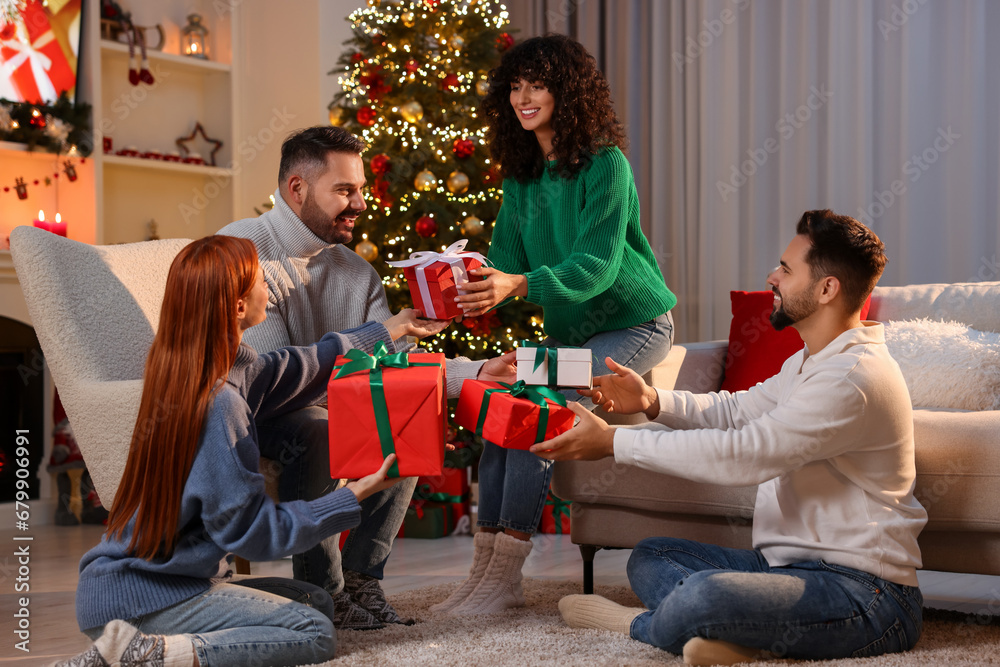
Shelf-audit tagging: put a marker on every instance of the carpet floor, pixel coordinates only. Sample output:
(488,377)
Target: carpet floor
(536,635)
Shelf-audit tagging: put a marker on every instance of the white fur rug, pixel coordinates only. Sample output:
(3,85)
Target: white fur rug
(536,635)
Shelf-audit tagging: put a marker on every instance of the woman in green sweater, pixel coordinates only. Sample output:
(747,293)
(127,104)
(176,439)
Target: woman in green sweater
(567,238)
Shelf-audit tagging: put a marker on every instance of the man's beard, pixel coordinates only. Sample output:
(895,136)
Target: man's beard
(792,311)
(317,220)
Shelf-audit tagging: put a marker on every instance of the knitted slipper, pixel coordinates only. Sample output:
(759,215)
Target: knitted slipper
(366,592)
(347,615)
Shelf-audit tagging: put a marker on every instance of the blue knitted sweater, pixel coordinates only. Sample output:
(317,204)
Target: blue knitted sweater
(224,507)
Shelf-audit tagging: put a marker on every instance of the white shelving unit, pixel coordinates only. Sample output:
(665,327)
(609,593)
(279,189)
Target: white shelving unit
(185,200)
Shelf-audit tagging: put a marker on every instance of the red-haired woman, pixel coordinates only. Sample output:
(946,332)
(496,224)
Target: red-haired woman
(152,592)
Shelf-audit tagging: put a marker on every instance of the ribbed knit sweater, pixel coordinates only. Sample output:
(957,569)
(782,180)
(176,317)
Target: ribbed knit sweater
(224,507)
(580,245)
(315,287)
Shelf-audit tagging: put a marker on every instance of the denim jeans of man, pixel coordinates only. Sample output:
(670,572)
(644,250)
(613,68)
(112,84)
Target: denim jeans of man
(249,622)
(513,483)
(296,445)
(807,611)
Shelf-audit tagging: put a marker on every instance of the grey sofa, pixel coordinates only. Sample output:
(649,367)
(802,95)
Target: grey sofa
(957,458)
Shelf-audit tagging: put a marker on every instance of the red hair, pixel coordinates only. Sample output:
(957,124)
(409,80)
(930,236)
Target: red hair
(194,348)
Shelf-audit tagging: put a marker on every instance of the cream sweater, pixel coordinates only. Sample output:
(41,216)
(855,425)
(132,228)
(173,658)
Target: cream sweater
(315,288)
(829,441)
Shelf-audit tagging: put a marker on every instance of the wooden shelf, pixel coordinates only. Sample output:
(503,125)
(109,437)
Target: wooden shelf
(117,49)
(160,165)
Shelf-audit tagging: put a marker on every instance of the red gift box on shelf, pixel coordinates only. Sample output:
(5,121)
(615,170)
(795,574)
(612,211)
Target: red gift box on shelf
(38,68)
(514,416)
(427,520)
(434,277)
(555,516)
(387,403)
(450,488)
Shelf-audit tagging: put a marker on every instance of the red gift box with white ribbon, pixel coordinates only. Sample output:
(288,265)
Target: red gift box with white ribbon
(434,277)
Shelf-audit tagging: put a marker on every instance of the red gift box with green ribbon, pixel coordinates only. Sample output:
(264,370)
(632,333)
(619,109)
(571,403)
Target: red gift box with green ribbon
(450,488)
(514,416)
(555,516)
(382,404)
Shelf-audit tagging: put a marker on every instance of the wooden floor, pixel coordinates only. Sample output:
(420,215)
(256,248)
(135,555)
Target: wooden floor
(55,553)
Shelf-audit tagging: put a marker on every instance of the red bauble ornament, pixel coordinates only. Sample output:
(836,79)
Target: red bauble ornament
(7,31)
(366,116)
(412,66)
(380,164)
(431,4)
(426,226)
(357,57)
(504,41)
(450,82)
(463,148)
(492,175)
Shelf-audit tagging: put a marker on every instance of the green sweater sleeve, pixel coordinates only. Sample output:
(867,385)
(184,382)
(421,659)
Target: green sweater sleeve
(597,252)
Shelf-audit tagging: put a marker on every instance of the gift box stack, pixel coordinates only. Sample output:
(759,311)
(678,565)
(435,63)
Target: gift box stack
(438,505)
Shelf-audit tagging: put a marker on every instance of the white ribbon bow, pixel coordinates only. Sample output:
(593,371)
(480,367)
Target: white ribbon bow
(454,255)
(40,63)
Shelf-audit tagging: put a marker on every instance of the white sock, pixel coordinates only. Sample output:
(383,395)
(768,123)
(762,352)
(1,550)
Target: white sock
(500,587)
(122,644)
(594,611)
(699,651)
(482,542)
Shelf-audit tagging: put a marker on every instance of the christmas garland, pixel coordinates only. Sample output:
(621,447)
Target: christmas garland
(56,128)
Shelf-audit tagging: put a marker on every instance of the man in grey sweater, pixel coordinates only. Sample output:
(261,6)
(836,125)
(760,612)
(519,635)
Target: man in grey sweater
(317,285)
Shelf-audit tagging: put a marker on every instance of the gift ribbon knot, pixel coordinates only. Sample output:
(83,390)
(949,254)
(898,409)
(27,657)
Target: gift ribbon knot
(519,389)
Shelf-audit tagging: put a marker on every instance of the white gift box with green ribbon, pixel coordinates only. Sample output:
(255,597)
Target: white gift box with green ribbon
(572,366)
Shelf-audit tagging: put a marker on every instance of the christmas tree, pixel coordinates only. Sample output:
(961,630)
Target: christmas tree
(412,78)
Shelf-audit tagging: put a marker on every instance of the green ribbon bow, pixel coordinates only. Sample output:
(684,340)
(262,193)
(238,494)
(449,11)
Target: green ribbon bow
(360,362)
(541,353)
(536,395)
(423,492)
(560,508)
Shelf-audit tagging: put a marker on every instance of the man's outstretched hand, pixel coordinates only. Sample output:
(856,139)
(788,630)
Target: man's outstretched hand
(408,322)
(623,391)
(500,369)
(590,440)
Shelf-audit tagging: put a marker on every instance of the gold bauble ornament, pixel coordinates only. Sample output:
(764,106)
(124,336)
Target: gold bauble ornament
(367,250)
(458,182)
(336,115)
(425,181)
(411,111)
(482,87)
(409,19)
(456,42)
(472,226)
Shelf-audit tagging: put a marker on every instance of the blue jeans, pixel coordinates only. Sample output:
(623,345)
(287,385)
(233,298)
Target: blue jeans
(250,622)
(514,483)
(297,444)
(806,611)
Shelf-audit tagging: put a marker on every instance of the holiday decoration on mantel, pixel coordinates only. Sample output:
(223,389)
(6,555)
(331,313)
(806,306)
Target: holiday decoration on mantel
(63,127)
(198,129)
(412,78)
(20,186)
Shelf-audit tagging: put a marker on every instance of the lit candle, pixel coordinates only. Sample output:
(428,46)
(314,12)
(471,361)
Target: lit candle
(58,227)
(40,222)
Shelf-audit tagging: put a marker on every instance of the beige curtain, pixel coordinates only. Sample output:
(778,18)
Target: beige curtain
(742,114)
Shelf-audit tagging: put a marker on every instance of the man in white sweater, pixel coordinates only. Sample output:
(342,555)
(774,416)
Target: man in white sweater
(829,441)
(317,285)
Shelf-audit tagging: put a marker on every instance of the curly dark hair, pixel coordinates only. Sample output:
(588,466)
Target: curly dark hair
(584,118)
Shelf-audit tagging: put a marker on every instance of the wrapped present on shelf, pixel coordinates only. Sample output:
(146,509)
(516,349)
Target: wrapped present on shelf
(555,516)
(427,520)
(554,366)
(514,416)
(434,278)
(33,59)
(449,488)
(382,404)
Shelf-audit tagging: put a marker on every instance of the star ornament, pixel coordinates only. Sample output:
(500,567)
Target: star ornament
(198,129)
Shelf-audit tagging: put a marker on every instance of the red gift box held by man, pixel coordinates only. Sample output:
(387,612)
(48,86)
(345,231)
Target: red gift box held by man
(514,416)
(434,278)
(385,404)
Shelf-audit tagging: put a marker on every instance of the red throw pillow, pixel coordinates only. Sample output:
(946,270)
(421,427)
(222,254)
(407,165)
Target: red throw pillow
(756,351)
